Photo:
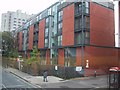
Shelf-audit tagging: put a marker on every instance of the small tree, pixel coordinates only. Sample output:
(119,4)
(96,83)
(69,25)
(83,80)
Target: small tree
(34,59)
(34,55)
(7,43)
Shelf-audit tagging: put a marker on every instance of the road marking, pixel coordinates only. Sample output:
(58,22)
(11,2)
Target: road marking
(102,86)
(10,86)
(22,80)
(98,87)
(3,86)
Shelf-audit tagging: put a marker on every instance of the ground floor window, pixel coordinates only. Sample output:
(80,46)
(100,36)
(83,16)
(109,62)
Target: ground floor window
(42,57)
(70,57)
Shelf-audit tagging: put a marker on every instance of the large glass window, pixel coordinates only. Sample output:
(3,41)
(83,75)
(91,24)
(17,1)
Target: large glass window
(87,22)
(70,57)
(54,59)
(60,14)
(78,8)
(42,57)
(60,28)
(78,38)
(87,34)
(46,42)
(60,40)
(86,7)
(47,22)
(78,23)
(36,27)
(87,37)
(46,32)
(49,11)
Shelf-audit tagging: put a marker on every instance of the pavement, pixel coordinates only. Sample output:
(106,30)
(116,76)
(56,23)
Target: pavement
(35,80)
(38,80)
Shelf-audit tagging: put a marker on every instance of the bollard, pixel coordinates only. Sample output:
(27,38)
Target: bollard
(94,73)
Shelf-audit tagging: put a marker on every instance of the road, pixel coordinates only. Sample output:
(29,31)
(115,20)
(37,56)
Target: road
(11,81)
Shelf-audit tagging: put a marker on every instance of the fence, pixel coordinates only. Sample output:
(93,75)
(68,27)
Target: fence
(62,72)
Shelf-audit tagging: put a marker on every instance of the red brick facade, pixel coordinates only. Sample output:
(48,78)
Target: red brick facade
(48,57)
(68,26)
(101,25)
(41,34)
(61,57)
(20,41)
(30,39)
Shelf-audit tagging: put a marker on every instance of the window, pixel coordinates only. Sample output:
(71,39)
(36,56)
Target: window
(87,34)
(60,40)
(49,12)
(47,19)
(46,32)
(70,57)
(60,14)
(14,21)
(37,18)
(60,28)
(23,20)
(78,38)
(86,7)
(87,4)
(87,22)
(14,24)
(43,57)
(46,42)
(77,23)
(53,10)
(87,37)
(59,25)
(40,16)
(78,8)
(47,22)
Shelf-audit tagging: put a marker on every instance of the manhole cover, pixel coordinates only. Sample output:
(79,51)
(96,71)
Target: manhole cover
(64,87)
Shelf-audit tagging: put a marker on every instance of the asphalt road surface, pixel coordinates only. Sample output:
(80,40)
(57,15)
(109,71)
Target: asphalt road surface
(11,81)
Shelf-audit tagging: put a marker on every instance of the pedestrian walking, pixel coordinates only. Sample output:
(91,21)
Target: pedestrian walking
(45,76)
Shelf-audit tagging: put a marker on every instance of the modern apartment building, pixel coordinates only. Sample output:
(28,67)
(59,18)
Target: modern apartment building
(72,34)
(13,20)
